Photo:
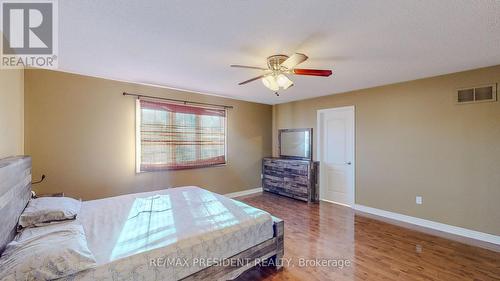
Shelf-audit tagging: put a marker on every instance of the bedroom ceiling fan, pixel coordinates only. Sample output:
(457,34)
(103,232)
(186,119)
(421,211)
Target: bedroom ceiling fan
(278,66)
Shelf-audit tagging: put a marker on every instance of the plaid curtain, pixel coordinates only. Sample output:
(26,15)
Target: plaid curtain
(175,136)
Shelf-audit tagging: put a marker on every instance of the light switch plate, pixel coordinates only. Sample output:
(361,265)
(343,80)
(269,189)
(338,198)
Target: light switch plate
(418,200)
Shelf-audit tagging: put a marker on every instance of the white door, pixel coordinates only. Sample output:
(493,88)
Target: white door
(336,154)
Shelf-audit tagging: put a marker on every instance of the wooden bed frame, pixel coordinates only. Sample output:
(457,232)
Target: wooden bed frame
(269,249)
(15,192)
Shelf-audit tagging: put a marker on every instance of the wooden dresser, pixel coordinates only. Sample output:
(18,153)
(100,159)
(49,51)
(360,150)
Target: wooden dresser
(293,178)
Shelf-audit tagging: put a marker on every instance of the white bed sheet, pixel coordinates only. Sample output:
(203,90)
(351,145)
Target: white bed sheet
(125,233)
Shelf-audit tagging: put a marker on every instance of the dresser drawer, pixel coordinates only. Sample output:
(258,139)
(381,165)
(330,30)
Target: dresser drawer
(304,180)
(273,168)
(273,178)
(273,164)
(297,168)
(273,183)
(273,172)
(296,188)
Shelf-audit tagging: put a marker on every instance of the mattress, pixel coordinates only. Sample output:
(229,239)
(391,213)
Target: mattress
(167,234)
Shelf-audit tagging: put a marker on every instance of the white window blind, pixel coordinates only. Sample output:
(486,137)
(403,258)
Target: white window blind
(173,136)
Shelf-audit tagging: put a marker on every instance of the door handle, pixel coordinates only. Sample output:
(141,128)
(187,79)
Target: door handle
(348,163)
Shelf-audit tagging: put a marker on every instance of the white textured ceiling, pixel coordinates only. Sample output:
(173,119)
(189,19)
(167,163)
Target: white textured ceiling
(190,44)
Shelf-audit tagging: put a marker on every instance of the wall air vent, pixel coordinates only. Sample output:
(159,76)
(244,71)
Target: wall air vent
(484,93)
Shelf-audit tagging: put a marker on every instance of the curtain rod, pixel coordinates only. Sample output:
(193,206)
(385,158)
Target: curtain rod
(175,100)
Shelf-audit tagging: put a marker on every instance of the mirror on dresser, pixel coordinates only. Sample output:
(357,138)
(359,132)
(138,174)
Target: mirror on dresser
(293,173)
(295,143)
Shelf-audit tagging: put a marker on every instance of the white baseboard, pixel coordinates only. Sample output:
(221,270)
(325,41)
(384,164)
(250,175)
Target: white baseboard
(244,192)
(333,202)
(454,230)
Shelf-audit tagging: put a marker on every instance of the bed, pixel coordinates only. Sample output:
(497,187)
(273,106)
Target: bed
(185,233)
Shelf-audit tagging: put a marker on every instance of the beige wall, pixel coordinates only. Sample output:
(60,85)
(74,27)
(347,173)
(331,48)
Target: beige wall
(412,139)
(11,112)
(80,132)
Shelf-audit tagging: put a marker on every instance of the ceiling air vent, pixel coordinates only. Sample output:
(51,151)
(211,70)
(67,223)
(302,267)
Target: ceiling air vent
(482,93)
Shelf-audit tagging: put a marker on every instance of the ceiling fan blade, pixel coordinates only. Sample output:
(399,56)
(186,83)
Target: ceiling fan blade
(246,66)
(294,60)
(312,72)
(251,80)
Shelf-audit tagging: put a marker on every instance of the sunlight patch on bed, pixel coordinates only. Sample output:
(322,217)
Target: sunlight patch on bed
(211,212)
(150,224)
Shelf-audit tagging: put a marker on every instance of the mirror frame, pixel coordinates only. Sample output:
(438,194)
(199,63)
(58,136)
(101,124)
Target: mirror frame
(308,157)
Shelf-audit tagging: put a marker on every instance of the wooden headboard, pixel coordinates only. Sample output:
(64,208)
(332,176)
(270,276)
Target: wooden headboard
(15,192)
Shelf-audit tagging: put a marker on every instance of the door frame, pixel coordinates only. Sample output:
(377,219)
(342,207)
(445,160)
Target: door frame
(320,112)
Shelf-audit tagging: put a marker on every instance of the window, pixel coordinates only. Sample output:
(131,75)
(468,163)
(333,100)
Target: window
(173,136)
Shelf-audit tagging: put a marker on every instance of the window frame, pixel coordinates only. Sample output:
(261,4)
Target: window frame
(138,143)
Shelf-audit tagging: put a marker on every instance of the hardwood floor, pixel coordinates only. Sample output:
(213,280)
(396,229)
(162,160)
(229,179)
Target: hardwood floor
(376,250)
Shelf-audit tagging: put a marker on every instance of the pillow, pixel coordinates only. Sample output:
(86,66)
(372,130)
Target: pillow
(46,253)
(44,210)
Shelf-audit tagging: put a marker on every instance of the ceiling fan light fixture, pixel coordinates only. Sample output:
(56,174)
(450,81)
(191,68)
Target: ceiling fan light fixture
(270,82)
(283,81)
(275,76)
